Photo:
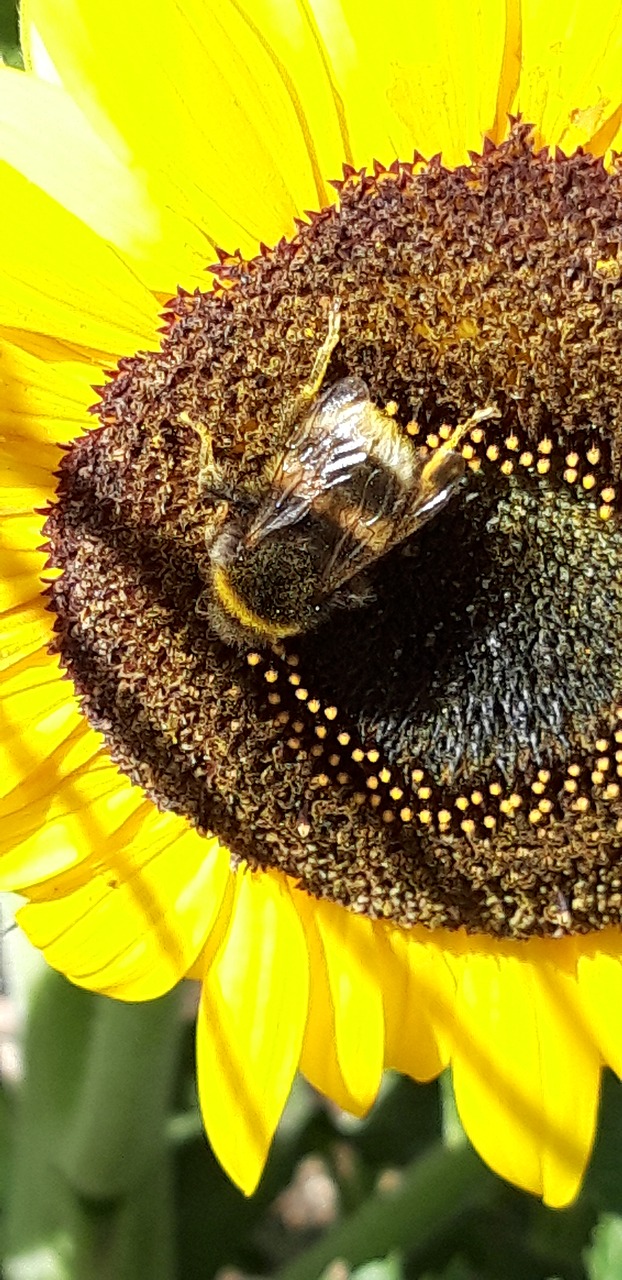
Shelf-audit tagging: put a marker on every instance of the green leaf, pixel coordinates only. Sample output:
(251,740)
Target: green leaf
(603,1260)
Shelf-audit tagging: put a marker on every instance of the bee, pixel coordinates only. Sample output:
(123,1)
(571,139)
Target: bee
(345,487)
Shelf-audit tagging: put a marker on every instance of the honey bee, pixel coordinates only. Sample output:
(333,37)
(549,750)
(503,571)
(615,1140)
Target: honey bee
(345,487)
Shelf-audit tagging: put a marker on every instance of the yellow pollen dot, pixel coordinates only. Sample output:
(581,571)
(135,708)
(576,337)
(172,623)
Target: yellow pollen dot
(253,659)
(611,791)
(406,814)
(343,739)
(495,788)
(526,459)
(462,803)
(572,459)
(321,730)
(543,466)
(334,760)
(603,763)
(593,455)
(477,435)
(391,408)
(274,699)
(570,785)
(424,793)
(313,705)
(375,801)
(477,797)
(468,452)
(505,807)
(298,726)
(358,755)
(371,782)
(581,804)
(282,717)
(605,512)
(294,743)
(342,779)
(294,679)
(330,713)
(323,779)
(302,694)
(425,817)
(444,817)
(412,428)
(388,815)
(432,441)
(545,806)
(570,475)
(492,452)
(385,775)
(512,443)
(475,465)
(515,800)
(489,821)
(589,481)
(360,797)
(537,787)
(271,675)
(535,816)
(601,744)
(317,749)
(445,431)
(544,775)
(507,467)
(468,826)
(608,495)
(574,770)
(417,774)
(545,446)
(373,756)
(598,777)
(396,793)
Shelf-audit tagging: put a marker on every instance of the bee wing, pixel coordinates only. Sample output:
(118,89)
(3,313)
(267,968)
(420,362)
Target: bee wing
(322,451)
(366,537)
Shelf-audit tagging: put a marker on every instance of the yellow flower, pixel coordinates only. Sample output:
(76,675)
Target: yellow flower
(138,142)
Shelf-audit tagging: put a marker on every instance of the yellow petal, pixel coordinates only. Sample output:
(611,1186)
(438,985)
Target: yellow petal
(251,1021)
(59,278)
(599,968)
(343,1048)
(570,84)
(419,991)
(418,75)
(248,143)
(526,1070)
(88,178)
(39,717)
(23,632)
(137,923)
(41,405)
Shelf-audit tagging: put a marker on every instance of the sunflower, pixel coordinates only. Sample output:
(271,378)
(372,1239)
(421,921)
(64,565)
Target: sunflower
(391,840)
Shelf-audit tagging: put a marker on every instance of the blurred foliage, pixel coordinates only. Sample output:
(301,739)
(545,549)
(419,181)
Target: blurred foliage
(105,1173)
(9,40)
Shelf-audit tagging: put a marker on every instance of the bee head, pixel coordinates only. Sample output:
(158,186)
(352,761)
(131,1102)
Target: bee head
(264,590)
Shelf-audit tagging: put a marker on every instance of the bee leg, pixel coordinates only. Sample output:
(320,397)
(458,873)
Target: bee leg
(308,391)
(209,477)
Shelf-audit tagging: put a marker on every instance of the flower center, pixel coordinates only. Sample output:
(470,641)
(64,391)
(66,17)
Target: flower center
(444,745)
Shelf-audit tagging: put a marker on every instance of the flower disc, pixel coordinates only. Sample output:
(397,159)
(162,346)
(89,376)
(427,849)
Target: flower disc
(448,753)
